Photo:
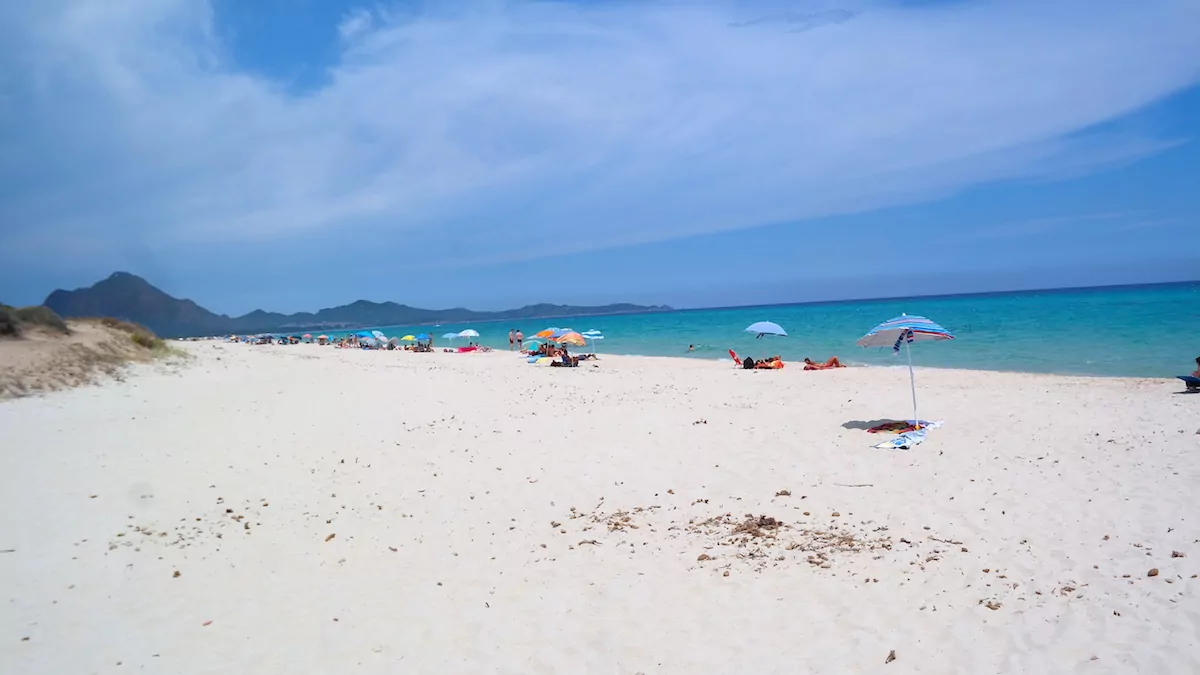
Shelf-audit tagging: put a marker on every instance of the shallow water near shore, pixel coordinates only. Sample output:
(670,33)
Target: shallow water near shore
(1131,331)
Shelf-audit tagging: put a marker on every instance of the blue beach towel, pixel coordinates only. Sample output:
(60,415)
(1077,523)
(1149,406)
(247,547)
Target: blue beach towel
(904,441)
(1191,382)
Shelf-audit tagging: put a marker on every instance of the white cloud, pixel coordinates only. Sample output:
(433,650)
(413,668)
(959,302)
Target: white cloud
(629,121)
(355,24)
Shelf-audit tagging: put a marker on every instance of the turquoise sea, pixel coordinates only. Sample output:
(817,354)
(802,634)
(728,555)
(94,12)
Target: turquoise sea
(1135,331)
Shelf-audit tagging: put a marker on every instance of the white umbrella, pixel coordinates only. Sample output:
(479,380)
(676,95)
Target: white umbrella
(468,333)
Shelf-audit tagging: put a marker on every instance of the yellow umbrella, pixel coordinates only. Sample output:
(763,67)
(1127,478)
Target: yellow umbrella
(408,338)
(571,339)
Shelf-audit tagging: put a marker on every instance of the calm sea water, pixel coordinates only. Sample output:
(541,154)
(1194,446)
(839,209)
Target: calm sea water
(1136,331)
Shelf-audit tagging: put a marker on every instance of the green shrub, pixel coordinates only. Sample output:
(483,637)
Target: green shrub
(43,316)
(10,325)
(15,321)
(147,340)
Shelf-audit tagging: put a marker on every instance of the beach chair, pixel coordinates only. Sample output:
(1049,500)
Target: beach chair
(1193,383)
(736,361)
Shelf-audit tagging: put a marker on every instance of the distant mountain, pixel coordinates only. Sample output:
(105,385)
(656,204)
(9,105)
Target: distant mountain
(131,298)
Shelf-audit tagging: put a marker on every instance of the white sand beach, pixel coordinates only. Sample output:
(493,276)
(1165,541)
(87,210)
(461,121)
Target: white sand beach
(307,509)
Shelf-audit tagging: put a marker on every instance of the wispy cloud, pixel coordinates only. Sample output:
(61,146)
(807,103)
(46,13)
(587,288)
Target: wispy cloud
(626,122)
(355,23)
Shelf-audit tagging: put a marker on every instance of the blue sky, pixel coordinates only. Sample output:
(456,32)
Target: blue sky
(298,154)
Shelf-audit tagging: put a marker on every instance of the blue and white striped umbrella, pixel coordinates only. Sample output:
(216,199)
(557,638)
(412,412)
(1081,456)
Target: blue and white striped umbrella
(905,330)
(593,335)
(904,327)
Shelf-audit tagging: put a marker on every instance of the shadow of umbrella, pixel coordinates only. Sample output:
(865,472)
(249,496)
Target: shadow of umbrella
(862,425)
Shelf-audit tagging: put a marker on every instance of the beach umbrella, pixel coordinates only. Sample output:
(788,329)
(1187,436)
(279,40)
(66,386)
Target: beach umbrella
(307,336)
(364,334)
(545,333)
(378,335)
(766,328)
(408,338)
(906,329)
(571,339)
(422,337)
(468,333)
(593,335)
(451,336)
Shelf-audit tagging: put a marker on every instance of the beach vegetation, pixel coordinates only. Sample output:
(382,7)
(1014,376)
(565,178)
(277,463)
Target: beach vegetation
(16,321)
(139,334)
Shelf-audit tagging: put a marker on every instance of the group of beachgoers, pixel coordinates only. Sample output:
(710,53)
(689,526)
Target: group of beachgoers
(776,363)
(561,353)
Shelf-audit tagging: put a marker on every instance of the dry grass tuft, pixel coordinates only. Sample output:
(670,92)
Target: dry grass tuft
(140,335)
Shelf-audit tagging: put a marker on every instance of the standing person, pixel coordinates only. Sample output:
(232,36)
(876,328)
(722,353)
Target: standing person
(520,339)
(512,338)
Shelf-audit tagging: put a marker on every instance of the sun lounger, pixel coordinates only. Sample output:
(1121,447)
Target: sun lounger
(1193,383)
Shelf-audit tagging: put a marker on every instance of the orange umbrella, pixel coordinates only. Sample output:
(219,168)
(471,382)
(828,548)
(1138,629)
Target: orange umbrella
(571,339)
(546,333)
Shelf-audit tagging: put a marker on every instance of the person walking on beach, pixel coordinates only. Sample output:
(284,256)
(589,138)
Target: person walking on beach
(520,338)
(512,338)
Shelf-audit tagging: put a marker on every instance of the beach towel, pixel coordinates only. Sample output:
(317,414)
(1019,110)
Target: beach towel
(1191,382)
(904,441)
(902,427)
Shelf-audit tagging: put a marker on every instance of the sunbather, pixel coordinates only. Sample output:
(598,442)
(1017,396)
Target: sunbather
(833,362)
(769,363)
(1193,381)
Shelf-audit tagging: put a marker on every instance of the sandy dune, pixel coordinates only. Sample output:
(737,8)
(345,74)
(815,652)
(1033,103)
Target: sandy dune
(336,511)
(43,361)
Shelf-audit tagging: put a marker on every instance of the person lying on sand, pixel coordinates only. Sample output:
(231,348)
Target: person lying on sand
(833,362)
(769,363)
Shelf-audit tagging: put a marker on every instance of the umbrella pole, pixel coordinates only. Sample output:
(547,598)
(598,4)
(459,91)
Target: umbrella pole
(912,381)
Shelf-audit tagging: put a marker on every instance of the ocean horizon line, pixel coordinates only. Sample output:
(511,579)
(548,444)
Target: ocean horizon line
(806,303)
